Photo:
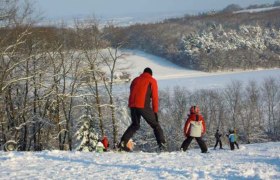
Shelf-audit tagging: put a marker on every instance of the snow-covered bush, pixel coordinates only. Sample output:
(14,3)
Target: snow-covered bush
(87,135)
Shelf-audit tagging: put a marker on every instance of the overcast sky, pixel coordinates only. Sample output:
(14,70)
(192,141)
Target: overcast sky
(72,8)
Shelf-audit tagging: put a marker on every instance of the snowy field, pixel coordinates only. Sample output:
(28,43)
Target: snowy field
(170,75)
(254,161)
(256,10)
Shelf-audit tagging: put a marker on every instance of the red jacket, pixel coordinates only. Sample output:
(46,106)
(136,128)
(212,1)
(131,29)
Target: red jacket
(105,142)
(142,89)
(192,117)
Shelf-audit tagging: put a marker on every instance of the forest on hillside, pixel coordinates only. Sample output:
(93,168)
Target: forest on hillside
(56,88)
(214,41)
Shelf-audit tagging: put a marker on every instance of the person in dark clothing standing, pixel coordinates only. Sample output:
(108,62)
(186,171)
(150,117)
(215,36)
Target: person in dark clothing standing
(218,139)
(194,128)
(143,89)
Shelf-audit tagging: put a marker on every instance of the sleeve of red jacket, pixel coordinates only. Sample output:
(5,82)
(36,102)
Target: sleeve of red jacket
(155,95)
(187,126)
(203,125)
(132,84)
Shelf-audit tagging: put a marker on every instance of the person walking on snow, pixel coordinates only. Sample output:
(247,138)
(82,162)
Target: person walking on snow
(231,139)
(218,139)
(143,90)
(194,128)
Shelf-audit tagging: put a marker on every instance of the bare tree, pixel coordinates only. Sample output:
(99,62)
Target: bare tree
(271,100)
(252,114)
(56,68)
(71,71)
(173,112)
(16,22)
(233,100)
(91,46)
(110,60)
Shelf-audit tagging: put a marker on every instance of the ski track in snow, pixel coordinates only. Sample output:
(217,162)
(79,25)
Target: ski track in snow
(254,161)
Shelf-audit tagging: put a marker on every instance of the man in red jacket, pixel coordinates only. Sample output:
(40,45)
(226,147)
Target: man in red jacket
(143,89)
(194,128)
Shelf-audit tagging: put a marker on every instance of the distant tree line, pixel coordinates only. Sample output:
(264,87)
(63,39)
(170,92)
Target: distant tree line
(164,39)
(236,7)
(248,47)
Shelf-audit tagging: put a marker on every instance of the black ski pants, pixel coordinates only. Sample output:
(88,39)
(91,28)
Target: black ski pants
(236,144)
(151,119)
(218,141)
(231,144)
(199,140)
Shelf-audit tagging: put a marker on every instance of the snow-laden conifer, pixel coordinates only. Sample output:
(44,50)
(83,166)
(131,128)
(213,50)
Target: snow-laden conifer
(86,134)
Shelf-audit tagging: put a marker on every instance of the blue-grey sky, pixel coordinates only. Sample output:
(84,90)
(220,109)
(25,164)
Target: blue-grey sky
(72,8)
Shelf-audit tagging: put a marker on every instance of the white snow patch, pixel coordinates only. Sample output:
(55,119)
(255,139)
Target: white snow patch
(256,10)
(254,161)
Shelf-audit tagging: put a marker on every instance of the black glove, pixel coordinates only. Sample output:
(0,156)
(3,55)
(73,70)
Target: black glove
(156,115)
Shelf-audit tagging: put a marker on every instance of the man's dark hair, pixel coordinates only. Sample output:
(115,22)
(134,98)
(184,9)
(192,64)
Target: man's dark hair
(148,70)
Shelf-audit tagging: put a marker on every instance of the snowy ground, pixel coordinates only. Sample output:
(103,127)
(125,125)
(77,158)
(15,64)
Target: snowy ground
(256,10)
(254,161)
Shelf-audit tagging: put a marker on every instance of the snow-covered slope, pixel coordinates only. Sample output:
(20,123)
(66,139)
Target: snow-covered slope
(136,61)
(171,75)
(257,10)
(255,161)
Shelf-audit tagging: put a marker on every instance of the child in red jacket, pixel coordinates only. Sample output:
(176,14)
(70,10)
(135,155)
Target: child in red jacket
(194,128)
(105,143)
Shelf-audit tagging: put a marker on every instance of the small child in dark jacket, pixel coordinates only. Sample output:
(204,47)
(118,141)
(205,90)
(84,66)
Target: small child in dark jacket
(218,139)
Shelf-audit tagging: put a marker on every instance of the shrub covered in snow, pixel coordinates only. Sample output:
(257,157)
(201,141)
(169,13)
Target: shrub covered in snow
(87,135)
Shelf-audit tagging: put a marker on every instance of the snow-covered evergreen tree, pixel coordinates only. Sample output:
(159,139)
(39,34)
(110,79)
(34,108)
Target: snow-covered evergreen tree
(87,135)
